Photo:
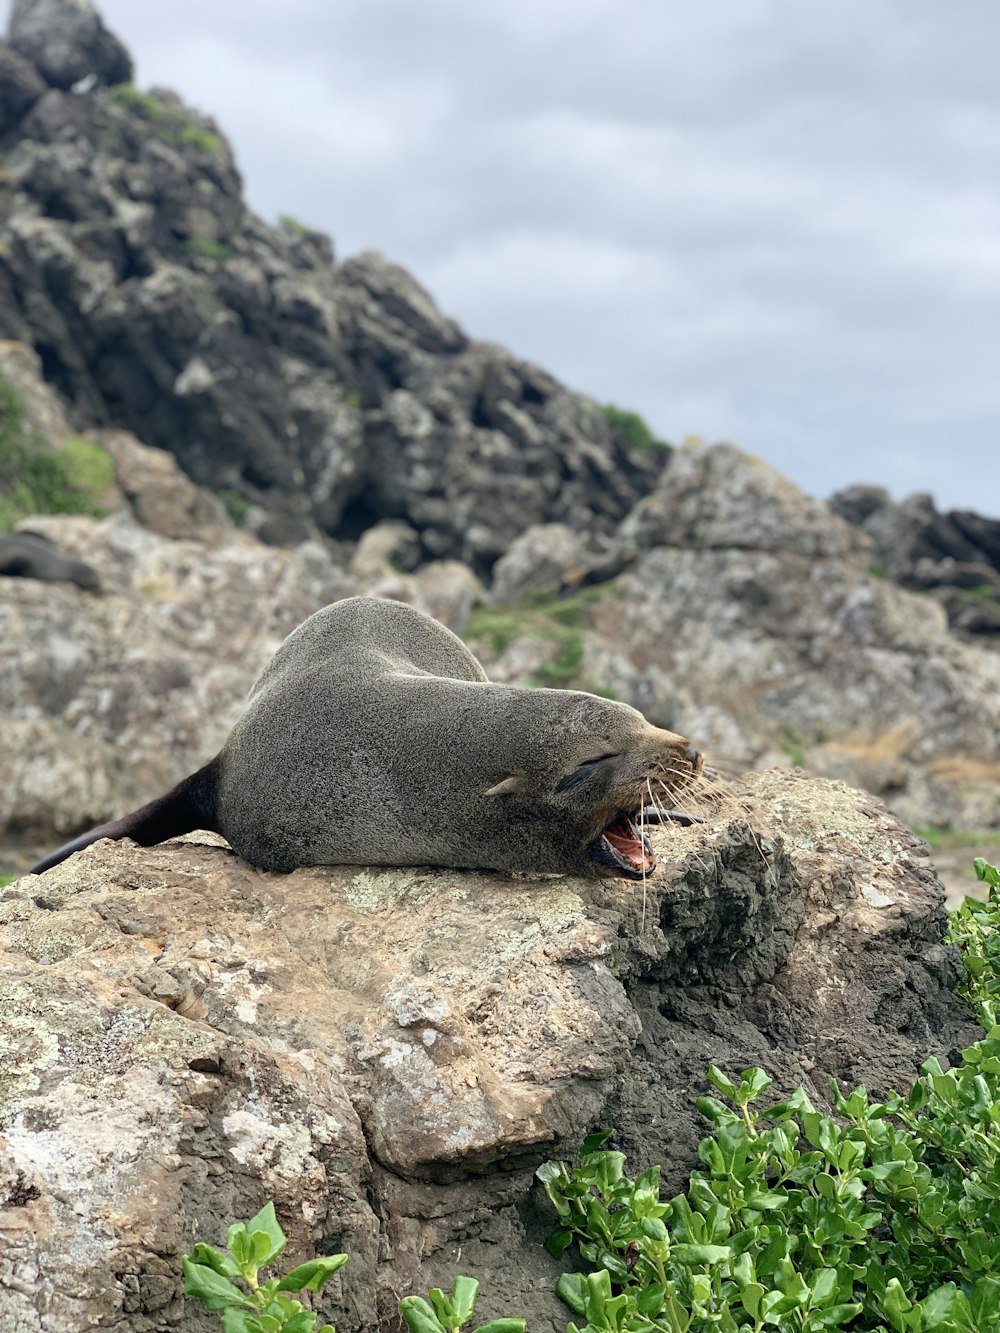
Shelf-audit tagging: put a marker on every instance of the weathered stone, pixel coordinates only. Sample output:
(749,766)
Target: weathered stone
(388,1054)
(67,41)
(20,87)
(954,555)
(544,559)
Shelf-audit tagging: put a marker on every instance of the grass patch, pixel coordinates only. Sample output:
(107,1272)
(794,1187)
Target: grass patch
(793,746)
(6,879)
(557,620)
(288,222)
(170,123)
(237,504)
(982,593)
(948,838)
(35,479)
(207,248)
(633,427)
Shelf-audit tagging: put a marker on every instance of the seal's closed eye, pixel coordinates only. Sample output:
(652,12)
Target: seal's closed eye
(582,772)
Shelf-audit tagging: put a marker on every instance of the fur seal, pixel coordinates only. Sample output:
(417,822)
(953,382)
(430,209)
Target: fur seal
(29,555)
(374,737)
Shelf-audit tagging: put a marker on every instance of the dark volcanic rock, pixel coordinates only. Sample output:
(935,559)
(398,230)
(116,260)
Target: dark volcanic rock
(332,397)
(953,555)
(20,87)
(67,41)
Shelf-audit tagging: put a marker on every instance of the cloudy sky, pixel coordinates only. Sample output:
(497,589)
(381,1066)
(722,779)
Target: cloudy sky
(771,221)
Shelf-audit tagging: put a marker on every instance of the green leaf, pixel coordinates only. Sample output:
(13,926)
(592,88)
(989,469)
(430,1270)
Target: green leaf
(302,1322)
(215,1259)
(442,1307)
(558,1242)
(503,1326)
(210,1287)
(239,1244)
(571,1290)
(700,1254)
(593,1142)
(719,1081)
(266,1222)
(419,1316)
(312,1275)
(234,1320)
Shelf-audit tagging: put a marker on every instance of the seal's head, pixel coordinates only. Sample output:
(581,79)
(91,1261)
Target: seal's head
(588,767)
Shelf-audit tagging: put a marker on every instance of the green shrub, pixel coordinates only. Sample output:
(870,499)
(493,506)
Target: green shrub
(633,427)
(206,248)
(886,1221)
(170,123)
(287,222)
(266,1307)
(35,479)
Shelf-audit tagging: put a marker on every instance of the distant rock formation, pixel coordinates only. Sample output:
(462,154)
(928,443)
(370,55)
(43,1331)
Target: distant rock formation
(955,556)
(389,1055)
(330,396)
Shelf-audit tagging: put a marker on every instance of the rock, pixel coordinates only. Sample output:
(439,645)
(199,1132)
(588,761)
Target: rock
(720,498)
(160,495)
(20,87)
(543,560)
(389,1054)
(857,504)
(954,555)
(390,546)
(67,42)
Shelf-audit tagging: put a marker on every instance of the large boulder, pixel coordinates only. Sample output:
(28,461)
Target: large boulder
(389,1053)
(67,41)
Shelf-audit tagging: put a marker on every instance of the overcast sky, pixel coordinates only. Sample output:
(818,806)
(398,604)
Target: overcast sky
(776,223)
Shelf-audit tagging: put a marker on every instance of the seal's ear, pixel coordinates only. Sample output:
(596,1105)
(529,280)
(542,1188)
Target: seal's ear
(510,786)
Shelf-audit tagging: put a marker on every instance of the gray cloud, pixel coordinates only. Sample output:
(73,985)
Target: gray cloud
(763,220)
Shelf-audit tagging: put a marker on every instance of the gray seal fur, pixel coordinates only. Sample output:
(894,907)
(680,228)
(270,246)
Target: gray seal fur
(374,737)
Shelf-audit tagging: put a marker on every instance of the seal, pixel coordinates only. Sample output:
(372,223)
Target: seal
(29,555)
(374,737)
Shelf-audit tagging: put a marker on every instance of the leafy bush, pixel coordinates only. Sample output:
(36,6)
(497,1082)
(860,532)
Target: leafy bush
(633,427)
(35,479)
(886,1221)
(170,123)
(267,1307)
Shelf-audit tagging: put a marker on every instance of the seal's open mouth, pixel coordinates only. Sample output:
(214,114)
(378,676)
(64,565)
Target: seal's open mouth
(622,849)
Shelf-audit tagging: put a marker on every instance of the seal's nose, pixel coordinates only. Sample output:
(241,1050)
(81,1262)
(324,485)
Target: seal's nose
(694,758)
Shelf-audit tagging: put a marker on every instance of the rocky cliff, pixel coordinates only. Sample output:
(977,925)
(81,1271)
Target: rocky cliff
(329,395)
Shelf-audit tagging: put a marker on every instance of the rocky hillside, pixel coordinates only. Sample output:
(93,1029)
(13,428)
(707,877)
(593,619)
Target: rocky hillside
(329,395)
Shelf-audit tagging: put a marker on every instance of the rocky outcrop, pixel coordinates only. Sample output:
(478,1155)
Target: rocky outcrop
(68,43)
(954,556)
(330,397)
(389,1053)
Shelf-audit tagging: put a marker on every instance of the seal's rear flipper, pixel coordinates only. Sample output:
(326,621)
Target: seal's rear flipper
(189,805)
